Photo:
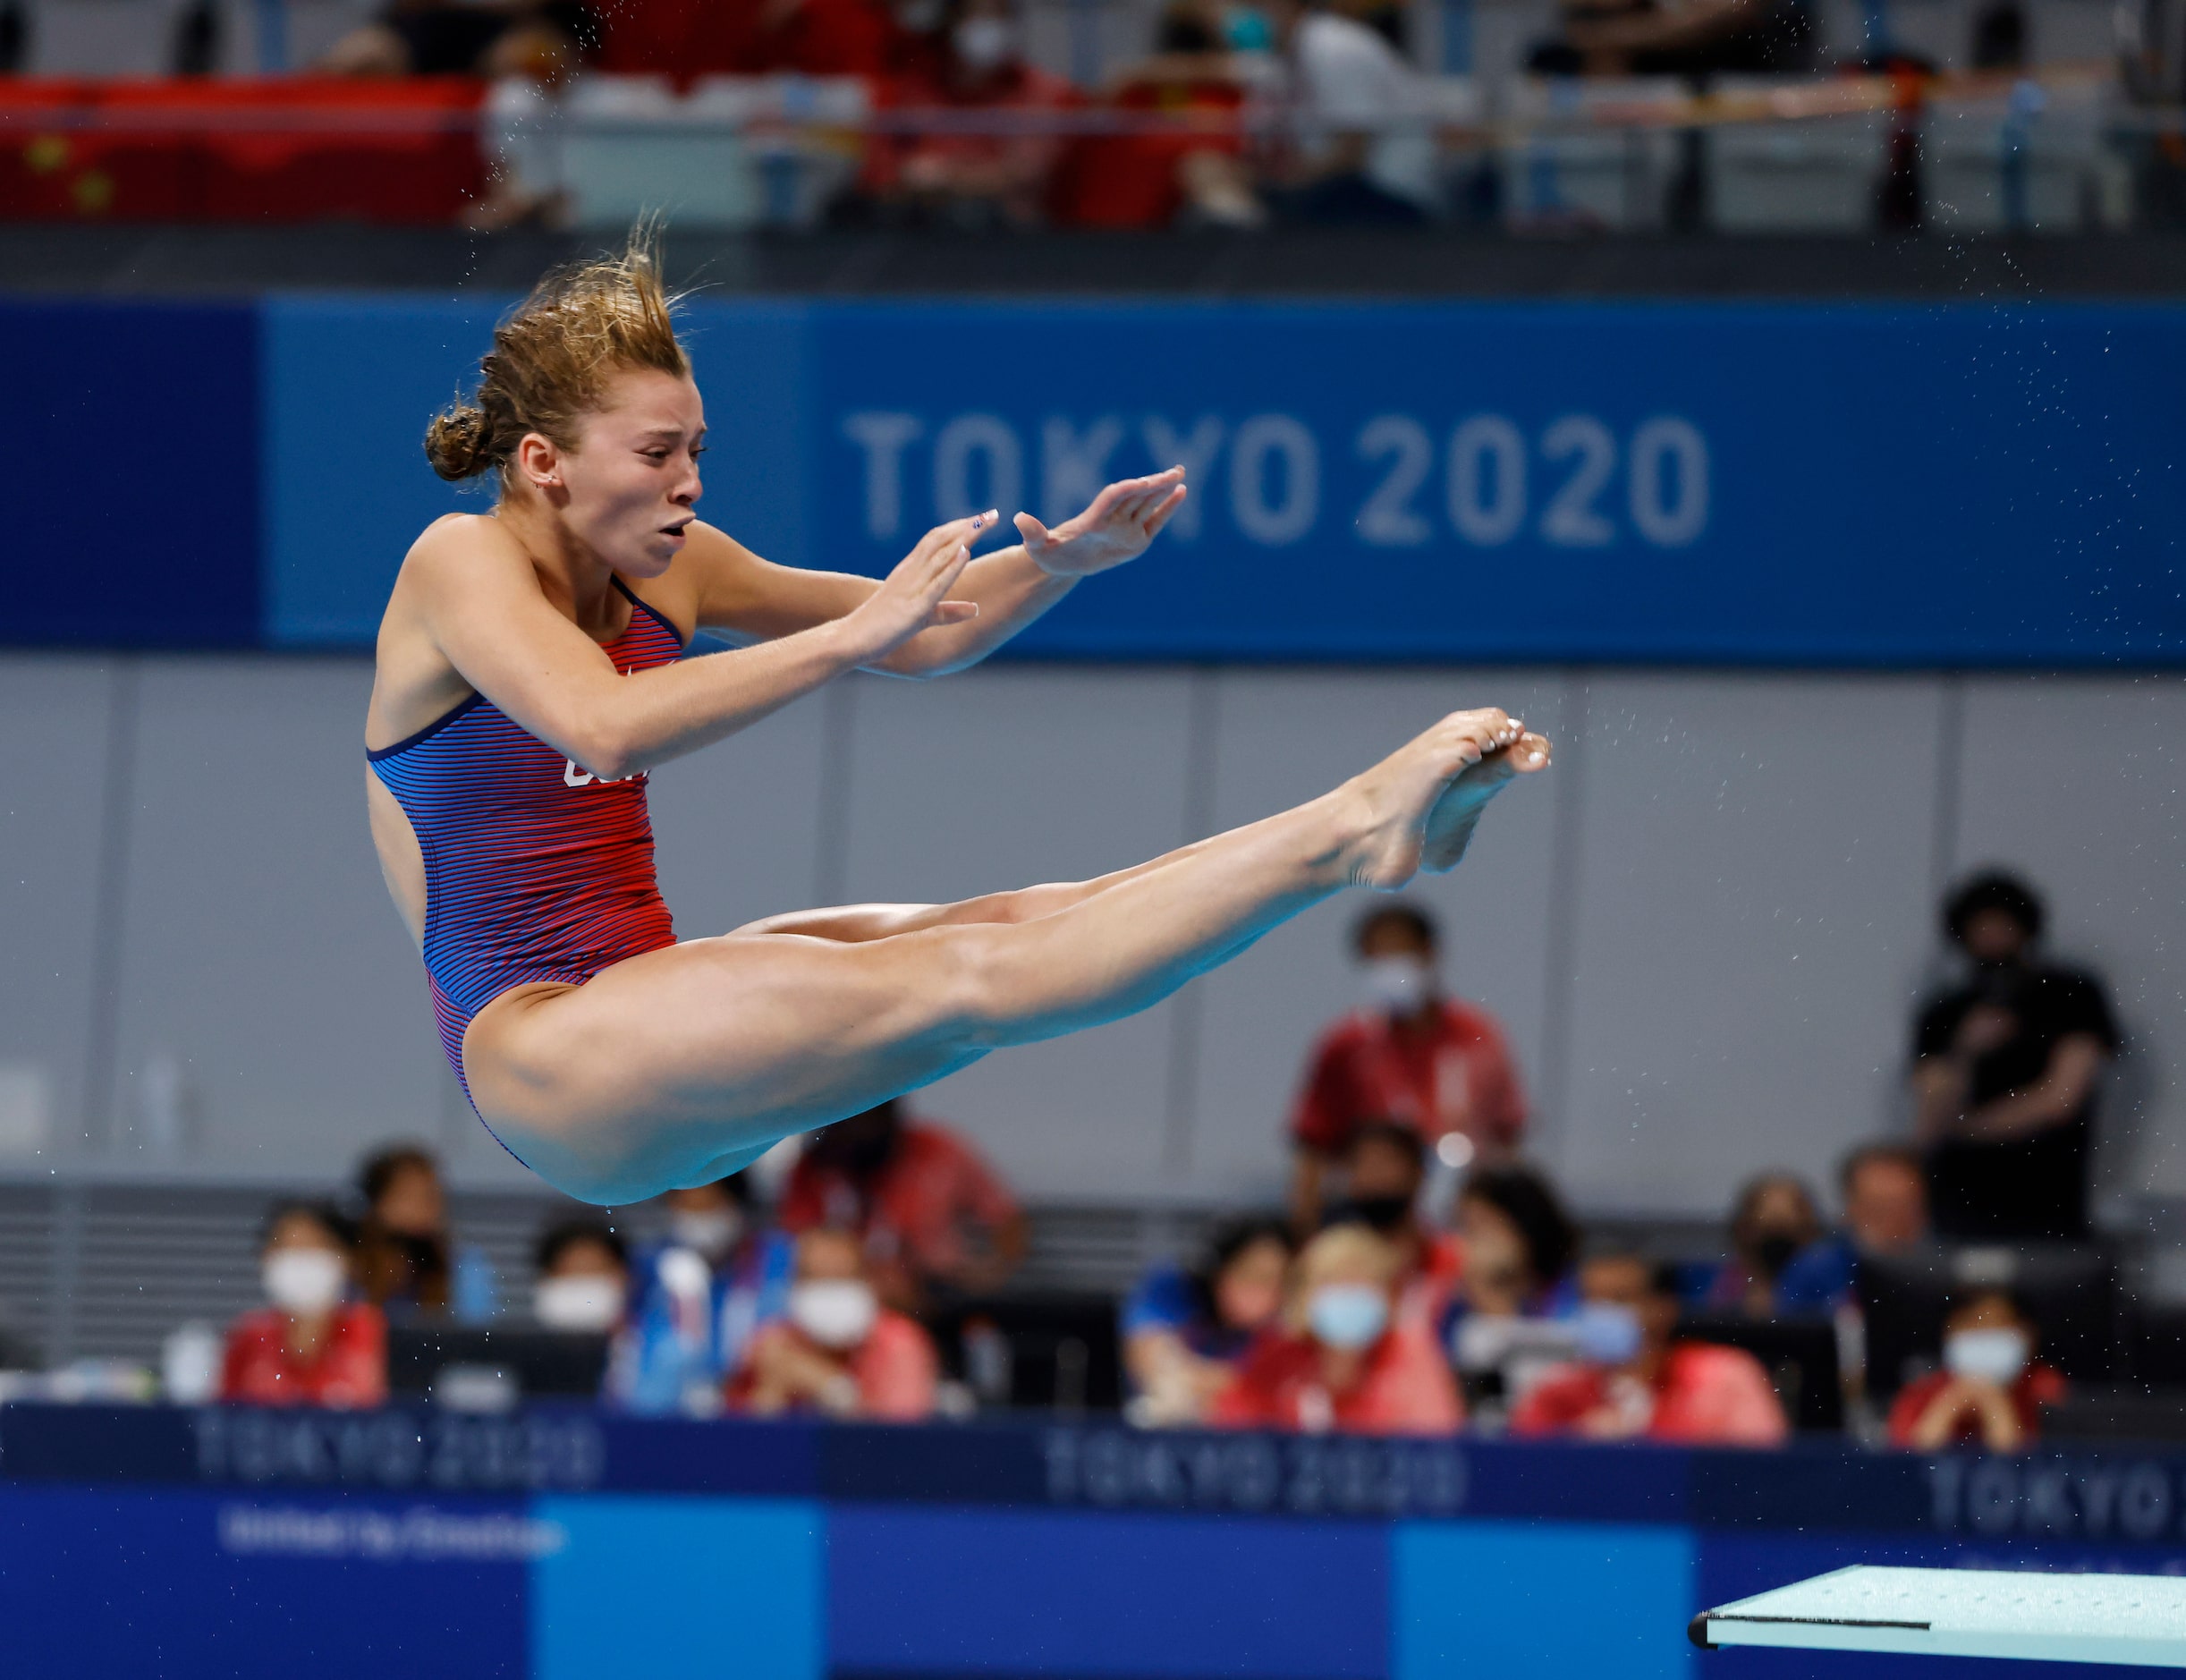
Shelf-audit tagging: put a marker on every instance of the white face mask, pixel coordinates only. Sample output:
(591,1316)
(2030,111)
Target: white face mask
(1997,1356)
(984,43)
(1396,985)
(589,1303)
(834,1311)
(712,1234)
(1608,1332)
(1347,1316)
(304,1279)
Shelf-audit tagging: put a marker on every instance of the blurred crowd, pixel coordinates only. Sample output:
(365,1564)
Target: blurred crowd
(1424,1276)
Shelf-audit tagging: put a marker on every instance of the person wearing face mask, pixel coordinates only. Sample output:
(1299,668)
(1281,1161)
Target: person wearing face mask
(1343,1358)
(1639,1381)
(1408,1054)
(837,1351)
(1384,1169)
(697,1297)
(2007,1069)
(408,1262)
(310,1344)
(1516,1244)
(1991,1389)
(1185,1332)
(1773,1223)
(936,1221)
(584,1278)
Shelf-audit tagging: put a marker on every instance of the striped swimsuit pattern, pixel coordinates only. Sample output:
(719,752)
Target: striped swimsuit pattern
(535,870)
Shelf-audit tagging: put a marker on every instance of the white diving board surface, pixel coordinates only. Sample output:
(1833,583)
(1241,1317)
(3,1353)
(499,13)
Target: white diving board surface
(2137,1619)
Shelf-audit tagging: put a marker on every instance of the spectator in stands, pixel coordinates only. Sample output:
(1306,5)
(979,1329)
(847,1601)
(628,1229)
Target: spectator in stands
(465,37)
(1991,1390)
(1408,1054)
(698,1299)
(1383,1171)
(1885,1212)
(1362,147)
(1516,1244)
(936,1221)
(1194,174)
(1185,1332)
(409,1261)
(312,1346)
(1641,1382)
(1345,1358)
(838,1351)
(1773,1224)
(2006,1071)
(1680,38)
(974,179)
(583,1278)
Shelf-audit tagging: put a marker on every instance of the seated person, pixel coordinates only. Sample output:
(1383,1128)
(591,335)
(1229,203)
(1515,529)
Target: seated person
(1885,1212)
(1342,1359)
(1410,1053)
(974,179)
(2007,1071)
(697,1298)
(1773,1222)
(1362,150)
(408,1262)
(1641,1383)
(936,1221)
(1516,1244)
(312,1346)
(1991,1390)
(1185,1332)
(838,1351)
(1679,37)
(464,38)
(1383,1171)
(584,1278)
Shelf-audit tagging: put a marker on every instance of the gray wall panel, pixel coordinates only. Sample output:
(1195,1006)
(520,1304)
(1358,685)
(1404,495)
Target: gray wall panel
(1284,737)
(261,949)
(54,732)
(1752,913)
(2078,783)
(1000,778)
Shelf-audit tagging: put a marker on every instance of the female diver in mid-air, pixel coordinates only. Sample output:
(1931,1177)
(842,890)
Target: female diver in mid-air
(528,675)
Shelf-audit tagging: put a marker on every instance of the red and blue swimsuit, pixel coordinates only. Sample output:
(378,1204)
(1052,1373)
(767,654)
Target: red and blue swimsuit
(535,870)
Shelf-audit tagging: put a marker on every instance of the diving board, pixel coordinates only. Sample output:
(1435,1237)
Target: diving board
(2137,1619)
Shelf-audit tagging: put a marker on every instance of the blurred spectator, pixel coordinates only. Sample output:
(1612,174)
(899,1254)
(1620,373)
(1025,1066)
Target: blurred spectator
(1185,1332)
(1679,37)
(1408,1054)
(1772,1225)
(2007,1068)
(1885,1212)
(1516,1244)
(468,37)
(749,37)
(1991,1390)
(1345,1360)
(934,1217)
(1383,1171)
(407,1259)
(838,1350)
(1363,149)
(1194,174)
(1641,1382)
(698,1298)
(310,1347)
(584,1278)
(974,179)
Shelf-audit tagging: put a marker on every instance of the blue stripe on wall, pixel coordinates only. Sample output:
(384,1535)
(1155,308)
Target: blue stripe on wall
(131,441)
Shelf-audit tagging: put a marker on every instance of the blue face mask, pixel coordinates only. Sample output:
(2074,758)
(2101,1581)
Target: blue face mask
(1609,1333)
(1347,1317)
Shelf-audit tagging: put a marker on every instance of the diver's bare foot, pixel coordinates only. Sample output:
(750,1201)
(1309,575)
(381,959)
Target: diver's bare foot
(1397,795)
(1456,815)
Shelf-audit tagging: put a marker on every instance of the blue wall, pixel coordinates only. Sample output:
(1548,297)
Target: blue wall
(1647,483)
(564,1546)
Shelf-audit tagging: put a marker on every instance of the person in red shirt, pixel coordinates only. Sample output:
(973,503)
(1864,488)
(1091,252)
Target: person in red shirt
(1409,1054)
(311,1346)
(1345,1358)
(748,38)
(1644,1383)
(933,1215)
(838,1351)
(1383,1171)
(1991,1390)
